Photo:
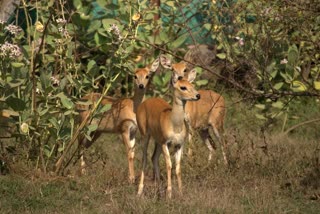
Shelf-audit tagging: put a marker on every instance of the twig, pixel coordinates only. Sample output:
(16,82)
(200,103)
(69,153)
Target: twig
(300,124)
(272,95)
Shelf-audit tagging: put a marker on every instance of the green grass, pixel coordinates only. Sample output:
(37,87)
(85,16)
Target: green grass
(268,173)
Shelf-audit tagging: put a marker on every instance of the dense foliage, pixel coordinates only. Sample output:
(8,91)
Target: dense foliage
(54,52)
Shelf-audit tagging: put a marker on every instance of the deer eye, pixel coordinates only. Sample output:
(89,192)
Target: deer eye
(183,88)
(185,70)
(147,77)
(135,76)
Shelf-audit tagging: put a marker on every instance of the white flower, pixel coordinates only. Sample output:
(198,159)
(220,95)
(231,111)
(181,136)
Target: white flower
(11,50)
(13,29)
(24,128)
(240,40)
(115,30)
(284,61)
(61,21)
(55,80)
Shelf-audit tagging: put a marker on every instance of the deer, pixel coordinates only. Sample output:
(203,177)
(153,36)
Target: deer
(121,117)
(203,115)
(165,124)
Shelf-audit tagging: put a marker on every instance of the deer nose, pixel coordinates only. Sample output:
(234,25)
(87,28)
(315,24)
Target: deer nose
(180,77)
(141,86)
(198,96)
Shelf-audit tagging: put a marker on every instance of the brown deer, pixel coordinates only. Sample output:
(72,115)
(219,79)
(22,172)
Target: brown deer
(121,117)
(166,125)
(209,112)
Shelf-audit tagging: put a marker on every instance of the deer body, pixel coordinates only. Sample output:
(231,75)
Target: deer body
(121,117)
(207,113)
(166,125)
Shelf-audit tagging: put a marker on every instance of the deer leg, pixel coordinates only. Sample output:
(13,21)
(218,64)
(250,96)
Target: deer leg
(144,163)
(178,155)
(128,137)
(82,141)
(155,161)
(169,167)
(189,135)
(190,142)
(206,138)
(222,143)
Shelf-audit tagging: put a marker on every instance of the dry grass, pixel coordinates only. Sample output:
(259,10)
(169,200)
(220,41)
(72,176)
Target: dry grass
(282,178)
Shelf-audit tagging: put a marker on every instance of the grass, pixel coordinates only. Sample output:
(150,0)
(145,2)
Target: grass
(268,173)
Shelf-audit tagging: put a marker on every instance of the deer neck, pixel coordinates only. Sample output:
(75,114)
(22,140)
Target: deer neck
(177,114)
(138,97)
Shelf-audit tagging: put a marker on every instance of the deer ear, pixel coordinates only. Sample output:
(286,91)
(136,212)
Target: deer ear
(165,61)
(192,75)
(174,78)
(154,66)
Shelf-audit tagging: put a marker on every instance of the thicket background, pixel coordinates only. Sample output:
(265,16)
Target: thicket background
(263,57)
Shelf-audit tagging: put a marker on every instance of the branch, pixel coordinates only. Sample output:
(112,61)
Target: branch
(256,93)
(300,124)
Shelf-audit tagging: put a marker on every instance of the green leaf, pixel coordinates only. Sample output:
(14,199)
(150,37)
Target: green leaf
(101,3)
(17,64)
(293,55)
(16,104)
(298,86)
(163,36)
(16,82)
(316,85)
(105,108)
(94,25)
(166,78)
(179,41)
(250,18)
(260,106)
(149,16)
(68,112)
(47,151)
(92,127)
(92,64)
(54,122)
(270,69)
(170,3)
(207,26)
(202,82)
(88,137)
(77,4)
(221,55)
(112,6)
(85,17)
(45,80)
(278,85)
(260,116)
(288,78)
(66,102)
(108,22)
(157,81)
(278,105)
(43,111)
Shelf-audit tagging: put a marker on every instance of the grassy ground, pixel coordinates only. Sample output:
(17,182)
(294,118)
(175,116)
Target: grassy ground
(268,173)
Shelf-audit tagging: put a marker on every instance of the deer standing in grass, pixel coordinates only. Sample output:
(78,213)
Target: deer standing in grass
(166,125)
(209,112)
(121,117)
